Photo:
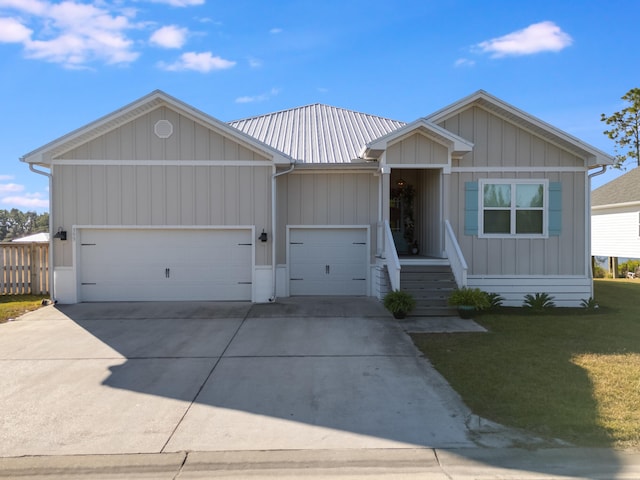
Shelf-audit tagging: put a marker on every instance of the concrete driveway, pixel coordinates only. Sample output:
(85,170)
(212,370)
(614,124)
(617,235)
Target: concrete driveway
(321,373)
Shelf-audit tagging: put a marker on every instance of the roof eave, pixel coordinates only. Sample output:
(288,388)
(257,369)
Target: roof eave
(133,110)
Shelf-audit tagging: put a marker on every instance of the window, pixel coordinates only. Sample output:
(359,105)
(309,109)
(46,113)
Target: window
(510,207)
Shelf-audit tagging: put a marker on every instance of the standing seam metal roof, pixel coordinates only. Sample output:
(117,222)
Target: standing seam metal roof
(317,133)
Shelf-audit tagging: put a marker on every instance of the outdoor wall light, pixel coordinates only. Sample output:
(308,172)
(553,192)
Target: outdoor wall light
(263,236)
(61,234)
(401,183)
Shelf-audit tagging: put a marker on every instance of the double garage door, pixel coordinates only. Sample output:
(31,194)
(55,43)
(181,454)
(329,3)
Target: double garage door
(152,265)
(328,261)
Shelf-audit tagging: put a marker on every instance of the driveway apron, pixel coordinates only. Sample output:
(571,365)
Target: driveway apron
(321,373)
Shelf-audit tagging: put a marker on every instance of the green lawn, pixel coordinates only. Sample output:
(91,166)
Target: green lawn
(12,306)
(571,374)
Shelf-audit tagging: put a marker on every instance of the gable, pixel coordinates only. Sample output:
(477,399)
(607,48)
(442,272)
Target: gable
(132,133)
(417,149)
(500,142)
(144,139)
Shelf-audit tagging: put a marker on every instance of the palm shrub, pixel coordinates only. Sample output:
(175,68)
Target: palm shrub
(538,302)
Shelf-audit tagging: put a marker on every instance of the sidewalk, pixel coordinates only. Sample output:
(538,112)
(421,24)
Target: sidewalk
(371,464)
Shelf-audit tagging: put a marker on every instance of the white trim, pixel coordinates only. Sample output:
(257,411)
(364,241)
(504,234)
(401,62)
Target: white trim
(76,228)
(327,227)
(172,163)
(517,169)
(511,181)
(567,290)
(616,205)
(330,168)
(527,122)
(420,166)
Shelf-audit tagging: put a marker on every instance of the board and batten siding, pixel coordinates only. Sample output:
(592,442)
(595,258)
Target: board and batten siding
(158,195)
(417,149)
(555,255)
(336,198)
(500,143)
(135,140)
(616,232)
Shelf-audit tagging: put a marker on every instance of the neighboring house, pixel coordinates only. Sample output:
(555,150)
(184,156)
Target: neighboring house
(36,237)
(160,201)
(615,218)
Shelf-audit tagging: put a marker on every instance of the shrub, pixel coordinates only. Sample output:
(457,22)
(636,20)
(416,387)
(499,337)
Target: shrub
(589,303)
(599,272)
(398,302)
(495,300)
(473,297)
(538,302)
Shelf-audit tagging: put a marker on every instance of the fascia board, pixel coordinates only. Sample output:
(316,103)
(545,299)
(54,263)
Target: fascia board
(138,108)
(441,135)
(593,155)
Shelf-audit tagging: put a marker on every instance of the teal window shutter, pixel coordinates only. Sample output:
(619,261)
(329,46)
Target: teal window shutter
(555,209)
(471,208)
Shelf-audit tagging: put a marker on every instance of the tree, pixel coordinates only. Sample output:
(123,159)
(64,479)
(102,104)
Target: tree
(625,131)
(16,224)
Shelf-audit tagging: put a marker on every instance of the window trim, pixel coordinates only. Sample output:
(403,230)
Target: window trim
(514,182)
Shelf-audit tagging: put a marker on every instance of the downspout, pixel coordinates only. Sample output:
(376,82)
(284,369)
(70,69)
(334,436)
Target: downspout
(274,198)
(603,168)
(49,177)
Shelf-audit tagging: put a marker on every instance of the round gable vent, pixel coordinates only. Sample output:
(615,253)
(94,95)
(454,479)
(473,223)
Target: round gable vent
(163,128)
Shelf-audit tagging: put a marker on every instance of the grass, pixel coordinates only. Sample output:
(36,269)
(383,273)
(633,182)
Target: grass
(12,306)
(572,374)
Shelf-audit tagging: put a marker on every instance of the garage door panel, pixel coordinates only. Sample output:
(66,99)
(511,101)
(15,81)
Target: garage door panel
(328,261)
(148,265)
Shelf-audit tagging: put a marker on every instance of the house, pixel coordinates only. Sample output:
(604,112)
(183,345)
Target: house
(615,218)
(41,237)
(160,201)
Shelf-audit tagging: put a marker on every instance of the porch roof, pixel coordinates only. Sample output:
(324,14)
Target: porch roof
(457,145)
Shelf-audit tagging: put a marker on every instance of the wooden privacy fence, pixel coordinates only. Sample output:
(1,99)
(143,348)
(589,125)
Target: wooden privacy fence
(25,268)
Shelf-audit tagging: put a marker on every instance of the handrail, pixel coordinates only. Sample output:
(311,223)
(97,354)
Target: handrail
(391,257)
(454,253)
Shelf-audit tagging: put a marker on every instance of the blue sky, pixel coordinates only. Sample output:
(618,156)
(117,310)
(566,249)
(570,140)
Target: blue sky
(66,63)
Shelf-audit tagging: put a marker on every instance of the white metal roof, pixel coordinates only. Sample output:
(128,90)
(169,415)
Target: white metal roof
(317,133)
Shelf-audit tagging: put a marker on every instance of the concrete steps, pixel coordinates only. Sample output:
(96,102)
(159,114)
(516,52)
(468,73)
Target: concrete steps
(431,286)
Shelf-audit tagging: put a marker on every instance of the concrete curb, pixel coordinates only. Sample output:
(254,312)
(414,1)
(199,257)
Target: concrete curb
(453,464)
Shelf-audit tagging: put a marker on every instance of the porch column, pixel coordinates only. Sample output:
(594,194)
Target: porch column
(385,180)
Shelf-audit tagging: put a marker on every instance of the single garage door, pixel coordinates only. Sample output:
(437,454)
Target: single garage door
(328,261)
(157,265)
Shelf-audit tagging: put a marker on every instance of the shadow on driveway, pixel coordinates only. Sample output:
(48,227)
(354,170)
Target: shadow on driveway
(322,373)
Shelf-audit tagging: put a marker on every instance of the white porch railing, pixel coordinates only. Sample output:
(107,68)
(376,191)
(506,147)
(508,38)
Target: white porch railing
(456,258)
(391,257)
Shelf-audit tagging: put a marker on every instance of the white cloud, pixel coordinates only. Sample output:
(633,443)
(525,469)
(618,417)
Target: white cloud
(258,98)
(180,3)
(170,36)
(72,33)
(12,31)
(200,62)
(4,178)
(10,188)
(464,62)
(255,62)
(30,201)
(275,31)
(34,7)
(536,38)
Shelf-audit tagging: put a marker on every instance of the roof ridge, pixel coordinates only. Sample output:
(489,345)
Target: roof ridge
(309,105)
